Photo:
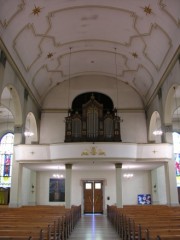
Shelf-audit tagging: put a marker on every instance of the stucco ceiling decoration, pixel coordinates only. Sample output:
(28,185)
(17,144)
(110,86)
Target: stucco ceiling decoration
(36,10)
(38,35)
(147,10)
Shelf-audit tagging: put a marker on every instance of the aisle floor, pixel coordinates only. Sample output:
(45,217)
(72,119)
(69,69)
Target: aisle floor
(94,227)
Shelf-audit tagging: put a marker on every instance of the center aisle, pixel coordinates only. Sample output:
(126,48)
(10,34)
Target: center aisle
(94,227)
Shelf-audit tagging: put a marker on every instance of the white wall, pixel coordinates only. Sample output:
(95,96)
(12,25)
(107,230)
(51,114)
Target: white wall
(155,193)
(139,184)
(127,96)
(52,129)
(42,187)
(133,127)
(28,193)
(161,185)
(159,195)
(26,186)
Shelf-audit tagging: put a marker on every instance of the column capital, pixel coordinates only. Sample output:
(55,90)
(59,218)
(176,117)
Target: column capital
(118,165)
(18,129)
(168,128)
(19,137)
(68,166)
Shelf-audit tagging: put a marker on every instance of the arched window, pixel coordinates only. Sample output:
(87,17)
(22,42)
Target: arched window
(176,145)
(6,157)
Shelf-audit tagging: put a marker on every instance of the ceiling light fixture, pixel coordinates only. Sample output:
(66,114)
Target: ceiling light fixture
(128,175)
(58,175)
(28,134)
(157,132)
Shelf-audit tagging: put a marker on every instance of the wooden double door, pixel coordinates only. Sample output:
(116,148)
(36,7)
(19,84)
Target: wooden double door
(93,197)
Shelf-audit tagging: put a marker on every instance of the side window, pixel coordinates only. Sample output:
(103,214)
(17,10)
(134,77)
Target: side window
(6,157)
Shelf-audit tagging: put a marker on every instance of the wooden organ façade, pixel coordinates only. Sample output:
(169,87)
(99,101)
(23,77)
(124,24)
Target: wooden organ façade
(92,123)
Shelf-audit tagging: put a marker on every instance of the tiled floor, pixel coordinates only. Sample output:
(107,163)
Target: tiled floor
(94,227)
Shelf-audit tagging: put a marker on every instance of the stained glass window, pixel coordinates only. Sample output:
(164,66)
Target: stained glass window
(176,144)
(6,157)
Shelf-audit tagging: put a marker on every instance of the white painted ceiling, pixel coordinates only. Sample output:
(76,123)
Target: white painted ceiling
(51,41)
(93,165)
(40,36)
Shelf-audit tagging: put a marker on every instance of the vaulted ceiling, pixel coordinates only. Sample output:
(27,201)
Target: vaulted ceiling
(51,41)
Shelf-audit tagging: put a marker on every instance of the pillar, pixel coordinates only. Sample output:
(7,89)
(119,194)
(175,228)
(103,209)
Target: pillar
(161,112)
(170,171)
(16,178)
(118,184)
(68,185)
(171,185)
(2,67)
(168,130)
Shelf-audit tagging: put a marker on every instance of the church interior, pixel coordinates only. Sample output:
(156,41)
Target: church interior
(89,103)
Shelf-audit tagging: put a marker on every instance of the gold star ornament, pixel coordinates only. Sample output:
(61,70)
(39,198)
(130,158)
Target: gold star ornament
(36,10)
(134,54)
(50,55)
(148,10)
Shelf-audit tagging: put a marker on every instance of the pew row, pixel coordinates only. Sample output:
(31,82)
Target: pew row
(154,222)
(38,222)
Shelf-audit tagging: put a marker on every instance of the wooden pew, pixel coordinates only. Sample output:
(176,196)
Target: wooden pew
(38,222)
(159,222)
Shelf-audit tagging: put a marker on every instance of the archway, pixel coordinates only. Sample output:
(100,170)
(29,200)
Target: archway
(155,131)
(176,133)
(30,129)
(10,123)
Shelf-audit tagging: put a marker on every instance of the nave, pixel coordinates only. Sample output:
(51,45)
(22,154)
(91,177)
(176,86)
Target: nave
(93,227)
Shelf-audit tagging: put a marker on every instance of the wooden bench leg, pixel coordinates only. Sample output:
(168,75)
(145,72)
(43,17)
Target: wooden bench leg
(133,230)
(147,234)
(41,235)
(139,232)
(49,232)
(54,230)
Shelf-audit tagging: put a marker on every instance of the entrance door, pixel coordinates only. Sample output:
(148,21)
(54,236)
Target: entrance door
(93,197)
